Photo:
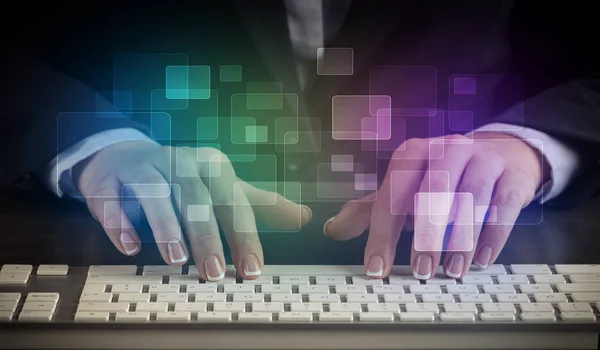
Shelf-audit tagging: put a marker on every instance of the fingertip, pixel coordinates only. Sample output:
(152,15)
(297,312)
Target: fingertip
(325,226)
(307,215)
(130,244)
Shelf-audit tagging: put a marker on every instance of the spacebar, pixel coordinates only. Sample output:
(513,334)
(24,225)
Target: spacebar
(123,279)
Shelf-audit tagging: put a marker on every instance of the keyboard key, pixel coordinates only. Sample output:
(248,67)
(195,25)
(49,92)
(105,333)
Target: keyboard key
(497,316)
(424,288)
(6,316)
(388,289)
(93,288)
(132,316)
(351,289)
(438,298)
(531,269)
(498,307)
(403,280)
(112,270)
(366,280)
(103,307)
(422,307)
(442,281)
(184,279)
(293,280)
(417,316)
(536,307)
(538,317)
(535,288)
(477,280)
(190,307)
(10,297)
(513,279)
(548,279)
(574,307)
(161,270)
(52,270)
(361,298)
(86,316)
(239,288)
(461,307)
(202,288)
(383,307)
(550,297)
(16,268)
(127,288)
(336,316)
(512,298)
(578,287)
(286,298)
(330,280)
(591,297)
(578,316)
(295,317)
(345,307)
(14,278)
(457,317)
(308,307)
(494,289)
(475,298)
(277,288)
(324,298)
(267,307)
(492,270)
(8,306)
(310,289)
(96,297)
(221,316)
(134,297)
(255,317)
(376,317)
(577,269)
(584,278)
(177,316)
(43,297)
(313,270)
(230,307)
(462,288)
(152,307)
(400,298)
(39,306)
(249,297)
(172,297)
(114,279)
(35,316)
(164,288)
(262,279)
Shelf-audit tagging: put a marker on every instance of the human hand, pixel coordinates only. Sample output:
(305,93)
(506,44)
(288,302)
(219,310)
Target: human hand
(149,170)
(495,170)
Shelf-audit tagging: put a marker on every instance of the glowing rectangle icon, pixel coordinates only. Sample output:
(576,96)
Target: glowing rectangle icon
(349,112)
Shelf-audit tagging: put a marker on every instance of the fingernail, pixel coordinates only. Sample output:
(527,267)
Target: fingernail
(129,243)
(375,266)
(484,256)
(455,265)
(213,269)
(251,266)
(308,212)
(325,225)
(422,269)
(176,251)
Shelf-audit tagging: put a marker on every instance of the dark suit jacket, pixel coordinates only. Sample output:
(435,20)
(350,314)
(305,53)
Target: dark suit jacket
(59,55)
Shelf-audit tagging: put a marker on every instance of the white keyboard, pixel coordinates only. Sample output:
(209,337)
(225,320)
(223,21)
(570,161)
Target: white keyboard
(298,294)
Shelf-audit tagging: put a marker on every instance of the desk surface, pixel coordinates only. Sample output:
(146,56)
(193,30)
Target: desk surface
(38,228)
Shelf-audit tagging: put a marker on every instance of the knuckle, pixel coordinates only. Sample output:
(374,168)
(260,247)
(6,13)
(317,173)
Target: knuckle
(510,199)
(438,182)
(479,188)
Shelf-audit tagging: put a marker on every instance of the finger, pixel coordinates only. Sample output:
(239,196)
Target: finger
(511,195)
(475,193)
(154,194)
(105,205)
(385,224)
(352,220)
(274,210)
(434,201)
(234,214)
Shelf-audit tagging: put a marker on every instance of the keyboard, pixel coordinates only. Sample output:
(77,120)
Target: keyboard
(532,297)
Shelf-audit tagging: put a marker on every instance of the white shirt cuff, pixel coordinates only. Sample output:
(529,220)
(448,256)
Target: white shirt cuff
(563,161)
(59,177)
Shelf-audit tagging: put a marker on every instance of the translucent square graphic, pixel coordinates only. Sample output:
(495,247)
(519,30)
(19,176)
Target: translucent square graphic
(409,87)
(342,162)
(460,121)
(473,89)
(283,126)
(188,82)
(160,126)
(123,99)
(365,182)
(160,102)
(335,61)
(158,190)
(348,112)
(335,186)
(400,180)
(465,86)
(264,95)
(342,167)
(198,213)
(301,142)
(257,134)
(432,217)
(139,74)
(268,197)
(230,73)
(438,148)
